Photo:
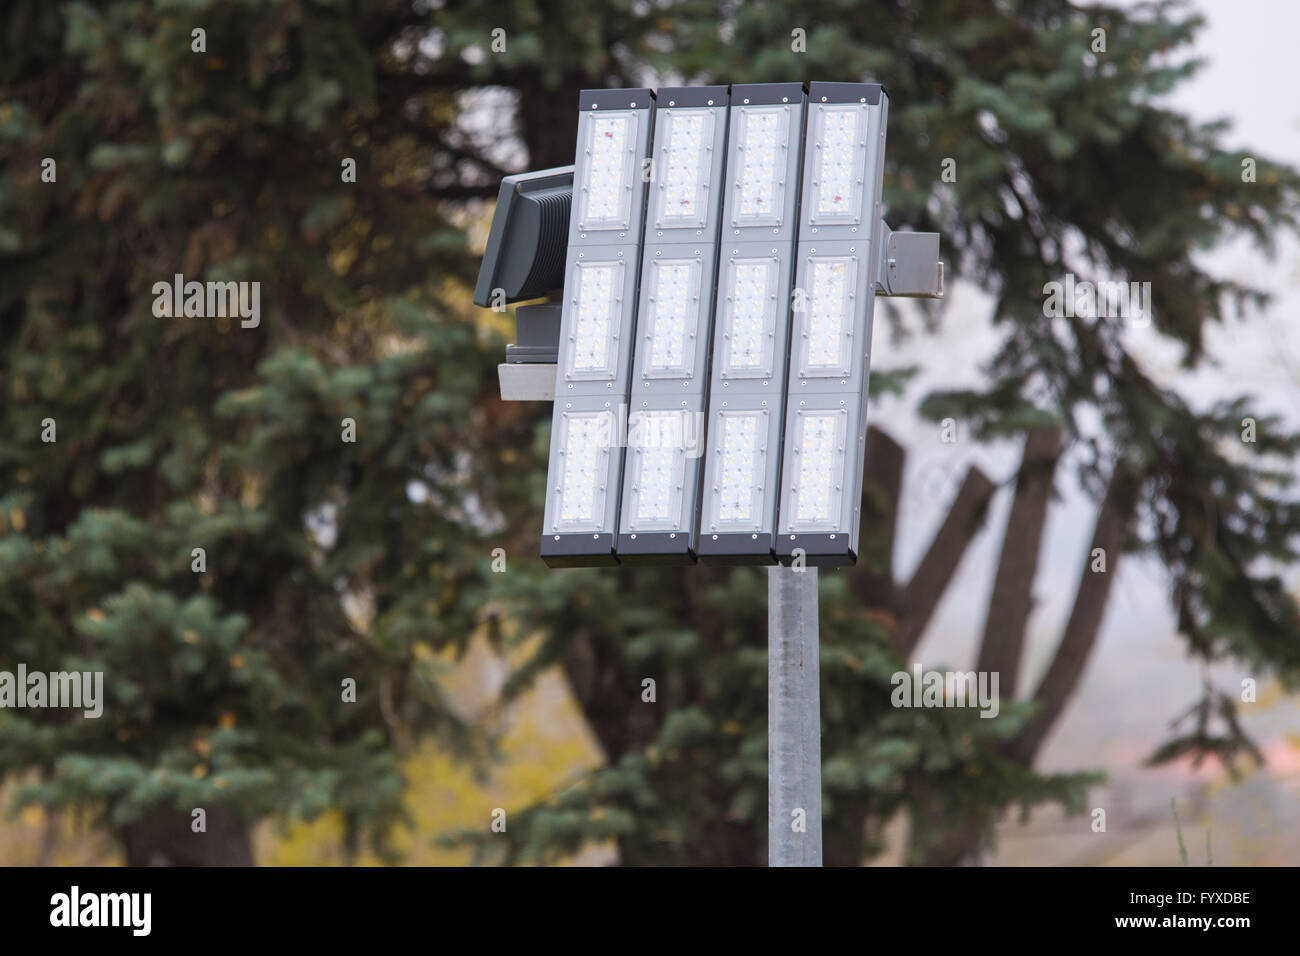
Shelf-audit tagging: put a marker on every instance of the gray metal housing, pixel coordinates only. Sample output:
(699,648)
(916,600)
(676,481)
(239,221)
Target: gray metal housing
(748,237)
(524,256)
(855,234)
(616,239)
(658,390)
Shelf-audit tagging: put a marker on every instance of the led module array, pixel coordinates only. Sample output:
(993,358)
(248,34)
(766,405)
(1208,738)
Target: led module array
(598,298)
(752,343)
(585,456)
(830,318)
(838,263)
(608,192)
(742,467)
(674,304)
(789,176)
(659,512)
(685,184)
(597,327)
(761,170)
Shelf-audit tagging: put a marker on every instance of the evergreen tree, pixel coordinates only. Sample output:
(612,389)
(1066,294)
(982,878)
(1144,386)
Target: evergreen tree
(262,536)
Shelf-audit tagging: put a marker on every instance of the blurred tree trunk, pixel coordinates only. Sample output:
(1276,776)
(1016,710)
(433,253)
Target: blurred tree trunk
(165,838)
(909,605)
(549,119)
(1012,599)
(940,837)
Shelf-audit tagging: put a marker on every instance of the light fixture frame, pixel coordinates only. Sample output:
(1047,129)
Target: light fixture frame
(590,244)
(857,235)
(654,392)
(743,238)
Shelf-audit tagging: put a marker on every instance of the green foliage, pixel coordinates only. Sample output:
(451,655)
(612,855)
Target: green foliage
(224,687)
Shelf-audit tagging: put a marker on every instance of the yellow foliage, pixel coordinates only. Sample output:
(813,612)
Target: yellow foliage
(544,744)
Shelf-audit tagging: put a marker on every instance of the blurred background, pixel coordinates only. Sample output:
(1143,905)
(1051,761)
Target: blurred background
(338,640)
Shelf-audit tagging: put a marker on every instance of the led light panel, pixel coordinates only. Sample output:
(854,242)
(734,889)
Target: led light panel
(684,168)
(657,454)
(607,187)
(839,162)
(660,509)
(825,324)
(764,134)
(738,489)
(592,352)
(749,317)
(584,448)
(816,491)
(672,317)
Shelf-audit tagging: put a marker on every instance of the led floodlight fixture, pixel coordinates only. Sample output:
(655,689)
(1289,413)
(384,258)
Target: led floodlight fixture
(717,252)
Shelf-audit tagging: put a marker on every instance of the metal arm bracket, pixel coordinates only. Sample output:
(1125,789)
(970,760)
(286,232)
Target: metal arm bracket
(910,264)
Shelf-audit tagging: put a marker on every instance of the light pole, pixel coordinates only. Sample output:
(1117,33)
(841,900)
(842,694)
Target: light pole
(794,734)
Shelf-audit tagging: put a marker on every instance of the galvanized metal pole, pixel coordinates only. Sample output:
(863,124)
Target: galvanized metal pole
(794,740)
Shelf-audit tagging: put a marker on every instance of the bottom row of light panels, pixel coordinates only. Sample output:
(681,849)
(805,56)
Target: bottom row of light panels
(667,515)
